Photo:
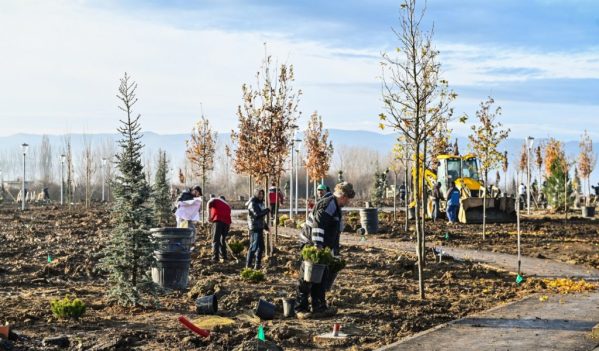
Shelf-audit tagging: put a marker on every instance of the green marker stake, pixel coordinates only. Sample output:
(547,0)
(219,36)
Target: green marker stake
(446,236)
(519,279)
(49,258)
(261,333)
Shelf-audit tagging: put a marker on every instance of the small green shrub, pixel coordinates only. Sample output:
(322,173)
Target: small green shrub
(236,246)
(317,256)
(67,308)
(283,218)
(252,275)
(300,225)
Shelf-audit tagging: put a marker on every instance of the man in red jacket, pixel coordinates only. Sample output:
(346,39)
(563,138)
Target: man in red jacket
(274,197)
(220,217)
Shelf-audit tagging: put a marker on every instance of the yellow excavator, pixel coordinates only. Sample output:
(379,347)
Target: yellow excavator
(463,170)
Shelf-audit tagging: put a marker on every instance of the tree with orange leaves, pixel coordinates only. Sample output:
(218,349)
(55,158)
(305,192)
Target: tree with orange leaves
(587,160)
(200,152)
(319,149)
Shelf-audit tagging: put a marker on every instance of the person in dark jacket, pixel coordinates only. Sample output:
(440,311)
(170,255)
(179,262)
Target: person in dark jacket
(257,223)
(220,217)
(437,197)
(322,229)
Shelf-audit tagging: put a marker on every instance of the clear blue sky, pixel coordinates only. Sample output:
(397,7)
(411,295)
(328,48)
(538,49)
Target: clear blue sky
(61,60)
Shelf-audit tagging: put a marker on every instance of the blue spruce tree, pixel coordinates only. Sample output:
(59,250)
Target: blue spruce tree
(129,252)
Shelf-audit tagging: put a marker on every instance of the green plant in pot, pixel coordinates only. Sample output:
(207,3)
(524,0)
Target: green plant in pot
(315,263)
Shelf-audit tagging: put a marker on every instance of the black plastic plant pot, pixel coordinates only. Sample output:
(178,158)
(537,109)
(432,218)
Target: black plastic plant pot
(588,211)
(265,310)
(313,272)
(207,304)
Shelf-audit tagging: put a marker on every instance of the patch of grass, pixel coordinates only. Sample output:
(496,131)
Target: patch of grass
(67,308)
(252,275)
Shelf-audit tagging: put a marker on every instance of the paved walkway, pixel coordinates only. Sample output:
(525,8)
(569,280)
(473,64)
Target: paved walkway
(539,267)
(561,323)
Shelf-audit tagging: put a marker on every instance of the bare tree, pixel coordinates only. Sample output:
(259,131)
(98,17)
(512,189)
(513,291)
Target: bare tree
(484,140)
(200,152)
(45,161)
(415,99)
(69,170)
(89,166)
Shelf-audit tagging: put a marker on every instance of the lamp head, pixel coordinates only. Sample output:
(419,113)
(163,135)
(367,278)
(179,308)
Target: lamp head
(25,147)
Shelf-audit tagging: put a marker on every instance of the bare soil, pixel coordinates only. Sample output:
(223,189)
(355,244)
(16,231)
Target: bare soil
(375,296)
(543,235)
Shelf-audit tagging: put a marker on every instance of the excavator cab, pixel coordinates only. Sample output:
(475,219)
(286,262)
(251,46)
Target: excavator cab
(464,171)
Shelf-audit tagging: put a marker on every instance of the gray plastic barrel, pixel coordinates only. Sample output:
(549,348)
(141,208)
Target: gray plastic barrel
(173,257)
(369,219)
(171,239)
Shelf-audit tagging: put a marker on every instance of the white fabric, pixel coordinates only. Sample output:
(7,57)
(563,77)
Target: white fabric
(189,210)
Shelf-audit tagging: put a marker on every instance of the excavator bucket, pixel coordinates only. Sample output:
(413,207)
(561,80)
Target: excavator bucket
(499,210)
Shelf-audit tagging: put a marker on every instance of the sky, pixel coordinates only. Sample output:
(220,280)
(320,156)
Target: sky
(60,61)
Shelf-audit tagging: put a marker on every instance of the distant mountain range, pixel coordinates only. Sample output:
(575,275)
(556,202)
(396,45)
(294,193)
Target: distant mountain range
(174,144)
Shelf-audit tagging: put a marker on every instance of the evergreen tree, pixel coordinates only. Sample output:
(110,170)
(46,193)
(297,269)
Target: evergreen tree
(160,193)
(129,253)
(556,184)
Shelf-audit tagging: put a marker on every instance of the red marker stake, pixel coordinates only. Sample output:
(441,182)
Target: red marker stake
(187,324)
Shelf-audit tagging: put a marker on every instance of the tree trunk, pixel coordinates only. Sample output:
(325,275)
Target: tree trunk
(406,190)
(418,219)
(395,199)
(424,205)
(566,193)
(485,206)
(277,210)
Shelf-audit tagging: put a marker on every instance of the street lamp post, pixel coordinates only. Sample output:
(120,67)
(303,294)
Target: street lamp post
(103,177)
(291,180)
(530,140)
(62,159)
(297,175)
(24,147)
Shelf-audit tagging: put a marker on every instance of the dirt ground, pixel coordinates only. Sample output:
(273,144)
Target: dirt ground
(543,235)
(375,296)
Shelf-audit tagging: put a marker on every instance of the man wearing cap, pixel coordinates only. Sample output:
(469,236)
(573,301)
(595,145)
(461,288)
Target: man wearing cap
(220,217)
(323,191)
(322,229)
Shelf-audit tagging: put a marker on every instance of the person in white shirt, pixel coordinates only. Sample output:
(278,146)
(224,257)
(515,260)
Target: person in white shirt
(189,205)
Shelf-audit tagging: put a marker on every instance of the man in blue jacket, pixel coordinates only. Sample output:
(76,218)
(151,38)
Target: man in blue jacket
(453,203)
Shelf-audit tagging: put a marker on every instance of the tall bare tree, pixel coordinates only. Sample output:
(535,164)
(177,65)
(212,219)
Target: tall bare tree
(88,168)
(486,136)
(200,152)
(45,161)
(415,99)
